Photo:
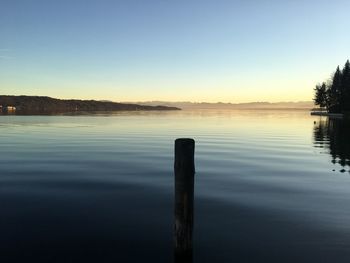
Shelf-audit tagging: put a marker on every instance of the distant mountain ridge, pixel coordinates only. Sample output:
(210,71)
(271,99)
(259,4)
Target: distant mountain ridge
(48,105)
(220,105)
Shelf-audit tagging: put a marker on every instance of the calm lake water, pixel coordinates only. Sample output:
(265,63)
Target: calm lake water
(270,186)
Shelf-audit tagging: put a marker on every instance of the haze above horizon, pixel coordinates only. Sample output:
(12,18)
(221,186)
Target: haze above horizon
(228,51)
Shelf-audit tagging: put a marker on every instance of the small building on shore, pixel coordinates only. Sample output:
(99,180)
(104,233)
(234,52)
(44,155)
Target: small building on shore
(11,108)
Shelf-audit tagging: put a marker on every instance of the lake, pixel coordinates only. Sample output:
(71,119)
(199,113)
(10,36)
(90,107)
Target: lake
(270,186)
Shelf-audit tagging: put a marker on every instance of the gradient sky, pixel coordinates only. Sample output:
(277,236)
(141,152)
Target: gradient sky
(136,50)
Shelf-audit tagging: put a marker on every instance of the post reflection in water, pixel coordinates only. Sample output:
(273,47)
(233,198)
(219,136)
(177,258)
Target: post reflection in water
(333,135)
(184,191)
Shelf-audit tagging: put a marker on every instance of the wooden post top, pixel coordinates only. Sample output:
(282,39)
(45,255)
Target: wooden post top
(184,155)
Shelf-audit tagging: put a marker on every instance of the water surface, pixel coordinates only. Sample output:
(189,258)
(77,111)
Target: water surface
(271,186)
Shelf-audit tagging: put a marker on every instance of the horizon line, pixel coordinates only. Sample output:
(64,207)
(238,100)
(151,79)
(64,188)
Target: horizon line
(166,101)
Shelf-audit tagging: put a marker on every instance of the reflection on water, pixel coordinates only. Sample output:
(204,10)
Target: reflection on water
(334,135)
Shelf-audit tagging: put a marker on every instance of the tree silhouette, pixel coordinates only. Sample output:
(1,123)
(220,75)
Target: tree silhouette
(345,98)
(335,95)
(321,95)
(335,92)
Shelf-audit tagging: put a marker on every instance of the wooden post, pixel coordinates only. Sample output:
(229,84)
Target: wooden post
(184,189)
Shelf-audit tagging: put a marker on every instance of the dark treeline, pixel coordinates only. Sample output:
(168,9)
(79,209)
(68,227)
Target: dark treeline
(334,95)
(47,105)
(333,135)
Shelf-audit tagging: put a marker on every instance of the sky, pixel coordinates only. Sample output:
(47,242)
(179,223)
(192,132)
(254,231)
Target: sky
(183,50)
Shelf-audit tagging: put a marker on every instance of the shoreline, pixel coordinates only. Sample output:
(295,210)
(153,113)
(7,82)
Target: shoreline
(331,115)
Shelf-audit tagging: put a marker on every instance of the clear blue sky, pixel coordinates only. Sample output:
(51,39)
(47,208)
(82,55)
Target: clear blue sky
(171,50)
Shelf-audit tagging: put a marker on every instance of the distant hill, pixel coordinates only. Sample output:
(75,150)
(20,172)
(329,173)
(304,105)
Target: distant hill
(307,105)
(47,105)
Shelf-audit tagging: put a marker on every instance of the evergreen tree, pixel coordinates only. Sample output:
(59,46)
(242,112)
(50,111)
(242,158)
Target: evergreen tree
(324,94)
(345,96)
(334,92)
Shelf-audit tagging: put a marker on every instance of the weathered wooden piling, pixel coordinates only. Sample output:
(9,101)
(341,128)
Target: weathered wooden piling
(184,169)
